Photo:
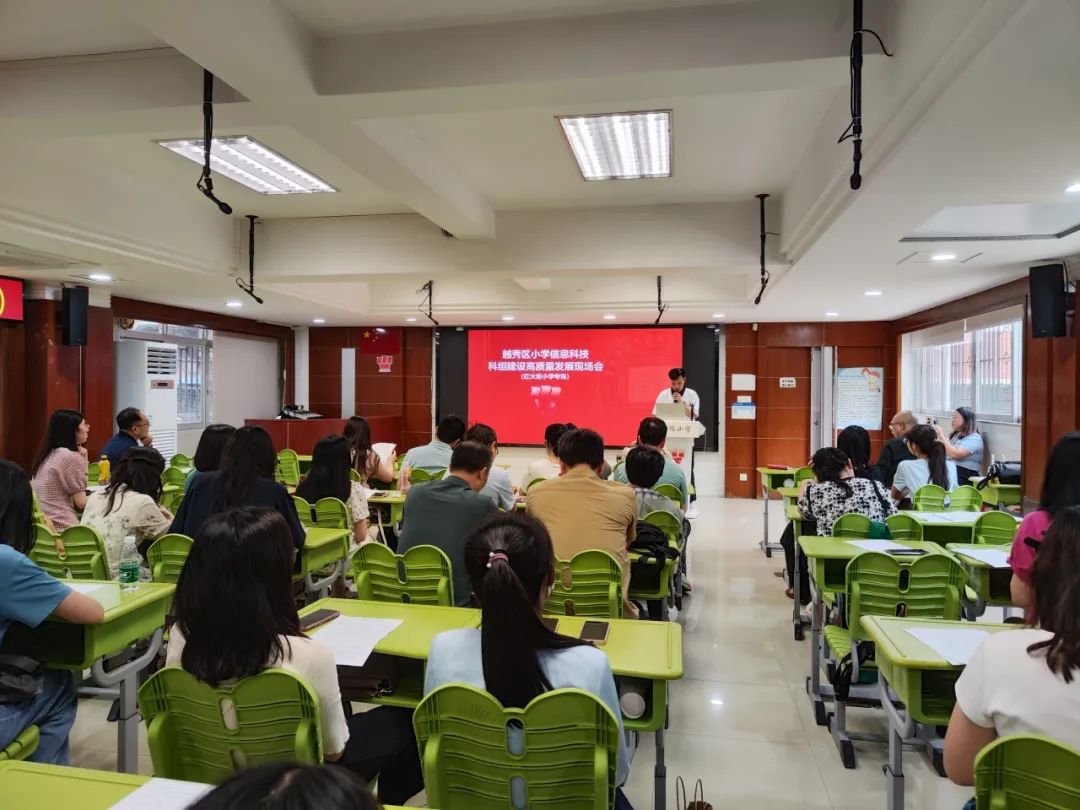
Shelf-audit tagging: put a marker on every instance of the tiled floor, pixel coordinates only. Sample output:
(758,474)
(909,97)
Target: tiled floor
(740,719)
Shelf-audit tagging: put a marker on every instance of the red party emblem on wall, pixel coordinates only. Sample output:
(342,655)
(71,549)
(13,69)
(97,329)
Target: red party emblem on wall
(678,455)
(385,361)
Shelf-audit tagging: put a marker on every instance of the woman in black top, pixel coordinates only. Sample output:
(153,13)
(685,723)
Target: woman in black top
(245,478)
(854,441)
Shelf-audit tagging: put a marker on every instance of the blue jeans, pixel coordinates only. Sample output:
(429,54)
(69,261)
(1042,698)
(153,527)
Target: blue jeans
(52,711)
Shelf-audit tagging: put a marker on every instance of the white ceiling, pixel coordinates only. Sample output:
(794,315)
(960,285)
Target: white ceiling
(423,129)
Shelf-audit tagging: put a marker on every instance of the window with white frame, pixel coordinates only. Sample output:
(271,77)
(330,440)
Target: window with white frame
(976,363)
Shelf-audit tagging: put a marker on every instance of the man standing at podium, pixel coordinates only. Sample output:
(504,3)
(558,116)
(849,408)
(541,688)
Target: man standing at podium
(678,393)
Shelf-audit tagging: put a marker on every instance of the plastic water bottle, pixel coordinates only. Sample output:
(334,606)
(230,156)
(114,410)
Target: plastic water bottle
(129,565)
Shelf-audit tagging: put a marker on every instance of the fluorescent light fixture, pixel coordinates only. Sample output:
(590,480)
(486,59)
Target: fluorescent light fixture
(873,293)
(718,314)
(943,257)
(609,317)
(234,304)
(620,146)
(380,330)
(100,277)
(832,314)
(410,320)
(508,317)
(318,320)
(251,164)
(1073,189)
(716,702)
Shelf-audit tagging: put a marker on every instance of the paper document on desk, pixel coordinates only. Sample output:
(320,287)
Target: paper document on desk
(83,587)
(994,557)
(352,639)
(163,794)
(877,545)
(384,449)
(955,645)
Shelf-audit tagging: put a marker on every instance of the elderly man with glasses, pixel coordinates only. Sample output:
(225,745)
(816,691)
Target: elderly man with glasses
(896,449)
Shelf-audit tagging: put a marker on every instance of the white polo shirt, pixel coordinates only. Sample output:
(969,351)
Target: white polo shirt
(689,396)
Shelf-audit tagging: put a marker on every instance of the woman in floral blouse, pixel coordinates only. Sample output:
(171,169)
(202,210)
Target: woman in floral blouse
(838,492)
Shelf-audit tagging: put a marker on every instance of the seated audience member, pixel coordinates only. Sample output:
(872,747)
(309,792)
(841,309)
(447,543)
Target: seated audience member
(644,466)
(28,596)
(896,448)
(329,478)
(445,513)
(1025,681)
(514,655)
(129,505)
(836,491)
(208,454)
(133,430)
(964,445)
(235,617)
(59,470)
(854,442)
(545,468)
(498,486)
(1060,490)
(652,432)
(290,786)
(436,455)
(581,511)
(930,466)
(362,455)
(245,478)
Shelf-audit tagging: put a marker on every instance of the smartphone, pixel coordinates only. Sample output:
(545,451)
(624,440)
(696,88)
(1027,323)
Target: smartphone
(317,618)
(594,632)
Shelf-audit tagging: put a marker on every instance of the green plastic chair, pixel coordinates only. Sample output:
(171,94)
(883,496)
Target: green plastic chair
(304,512)
(668,589)
(287,469)
(422,476)
(851,525)
(994,528)
(83,556)
(904,527)
(271,717)
(166,557)
(421,575)
(588,584)
(172,500)
(668,524)
(804,474)
(669,491)
(354,475)
(181,461)
(965,499)
(174,476)
(330,513)
(568,738)
(93,473)
(929,498)
(877,584)
(1027,772)
(534,482)
(24,744)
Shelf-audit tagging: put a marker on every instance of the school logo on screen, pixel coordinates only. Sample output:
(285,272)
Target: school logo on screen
(385,361)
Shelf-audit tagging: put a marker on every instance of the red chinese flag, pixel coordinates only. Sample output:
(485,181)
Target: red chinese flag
(377,340)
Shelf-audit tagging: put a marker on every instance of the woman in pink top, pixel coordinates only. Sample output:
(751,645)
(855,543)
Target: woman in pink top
(1060,489)
(59,470)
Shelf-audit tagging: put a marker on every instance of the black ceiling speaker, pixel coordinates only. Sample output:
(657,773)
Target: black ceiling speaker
(1047,294)
(73,304)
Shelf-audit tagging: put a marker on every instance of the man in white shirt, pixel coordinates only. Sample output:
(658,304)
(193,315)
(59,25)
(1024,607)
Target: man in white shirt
(677,392)
(498,486)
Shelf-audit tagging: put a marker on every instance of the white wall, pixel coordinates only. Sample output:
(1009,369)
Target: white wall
(247,378)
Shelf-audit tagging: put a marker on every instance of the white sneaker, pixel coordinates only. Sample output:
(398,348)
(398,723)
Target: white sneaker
(692,512)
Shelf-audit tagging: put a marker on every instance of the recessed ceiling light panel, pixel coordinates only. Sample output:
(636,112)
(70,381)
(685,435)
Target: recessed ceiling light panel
(100,277)
(251,164)
(620,146)
(318,320)
(234,304)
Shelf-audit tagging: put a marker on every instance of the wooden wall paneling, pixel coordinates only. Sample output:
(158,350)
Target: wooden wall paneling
(1004,295)
(1035,427)
(98,375)
(15,443)
(164,313)
(52,370)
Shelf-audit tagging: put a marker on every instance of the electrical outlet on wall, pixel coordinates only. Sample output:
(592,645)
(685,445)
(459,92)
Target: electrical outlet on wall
(743,477)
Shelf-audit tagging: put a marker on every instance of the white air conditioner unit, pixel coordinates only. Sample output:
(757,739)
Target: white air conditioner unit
(147,376)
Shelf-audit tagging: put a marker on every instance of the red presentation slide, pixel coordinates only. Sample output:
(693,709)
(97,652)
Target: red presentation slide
(522,380)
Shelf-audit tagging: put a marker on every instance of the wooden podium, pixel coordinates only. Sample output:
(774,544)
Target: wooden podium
(302,434)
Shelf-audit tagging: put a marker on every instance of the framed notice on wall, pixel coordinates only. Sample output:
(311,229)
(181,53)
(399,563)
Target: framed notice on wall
(859,397)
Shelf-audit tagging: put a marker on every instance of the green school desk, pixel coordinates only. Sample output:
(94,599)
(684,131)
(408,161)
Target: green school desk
(946,527)
(390,501)
(922,680)
(772,479)
(129,617)
(991,583)
(323,548)
(651,651)
(53,787)
(828,558)
(999,496)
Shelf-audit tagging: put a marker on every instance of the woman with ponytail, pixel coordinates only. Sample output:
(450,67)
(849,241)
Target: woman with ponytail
(930,465)
(1026,681)
(514,655)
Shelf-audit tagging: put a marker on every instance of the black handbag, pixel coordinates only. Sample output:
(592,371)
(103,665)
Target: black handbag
(1002,472)
(21,678)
